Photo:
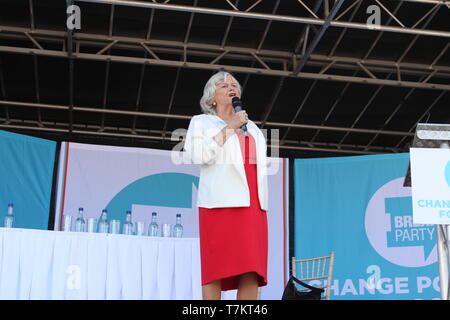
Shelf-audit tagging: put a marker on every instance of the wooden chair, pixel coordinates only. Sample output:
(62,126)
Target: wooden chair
(320,268)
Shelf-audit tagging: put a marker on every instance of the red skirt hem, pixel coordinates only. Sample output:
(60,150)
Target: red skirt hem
(231,281)
(234,241)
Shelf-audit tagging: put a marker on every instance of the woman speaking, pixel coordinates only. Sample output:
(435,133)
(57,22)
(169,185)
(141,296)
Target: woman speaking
(232,195)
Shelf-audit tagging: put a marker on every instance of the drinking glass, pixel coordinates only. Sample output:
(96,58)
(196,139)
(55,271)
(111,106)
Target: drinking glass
(114,227)
(67,223)
(91,225)
(166,230)
(139,228)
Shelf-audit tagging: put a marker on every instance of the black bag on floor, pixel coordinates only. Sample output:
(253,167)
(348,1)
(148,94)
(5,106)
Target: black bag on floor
(291,292)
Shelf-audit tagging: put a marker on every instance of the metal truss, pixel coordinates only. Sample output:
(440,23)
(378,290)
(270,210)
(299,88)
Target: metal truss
(160,136)
(129,133)
(186,117)
(71,71)
(278,60)
(273,17)
(277,63)
(429,16)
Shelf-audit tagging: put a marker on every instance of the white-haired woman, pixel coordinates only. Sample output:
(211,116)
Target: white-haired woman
(232,195)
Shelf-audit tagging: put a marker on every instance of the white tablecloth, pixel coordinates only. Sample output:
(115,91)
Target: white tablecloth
(38,264)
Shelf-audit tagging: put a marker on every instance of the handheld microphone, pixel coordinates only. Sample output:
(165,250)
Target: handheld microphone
(237,104)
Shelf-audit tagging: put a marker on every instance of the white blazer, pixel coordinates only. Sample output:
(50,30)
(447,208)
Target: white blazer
(223,182)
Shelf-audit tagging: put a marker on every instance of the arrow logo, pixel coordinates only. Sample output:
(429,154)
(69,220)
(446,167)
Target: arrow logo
(403,233)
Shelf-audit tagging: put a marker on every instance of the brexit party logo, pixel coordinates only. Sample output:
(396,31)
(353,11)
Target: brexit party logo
(390,229)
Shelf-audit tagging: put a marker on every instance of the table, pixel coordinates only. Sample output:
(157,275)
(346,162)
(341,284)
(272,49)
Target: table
(39,264)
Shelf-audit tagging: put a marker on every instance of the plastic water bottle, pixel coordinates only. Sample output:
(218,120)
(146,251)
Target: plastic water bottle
(80,224)
(128,226)
(103,225)
(178,227)
(9,218)
(153,226)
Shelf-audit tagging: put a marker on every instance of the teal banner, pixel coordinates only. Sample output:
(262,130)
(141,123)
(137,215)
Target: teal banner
(26,173)
(358,208)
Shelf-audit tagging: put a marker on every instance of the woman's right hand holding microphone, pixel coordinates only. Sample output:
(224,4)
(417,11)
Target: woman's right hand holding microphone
(238,120)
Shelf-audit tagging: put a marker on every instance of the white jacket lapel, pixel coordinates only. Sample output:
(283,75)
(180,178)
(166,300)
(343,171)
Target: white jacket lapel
(235,150)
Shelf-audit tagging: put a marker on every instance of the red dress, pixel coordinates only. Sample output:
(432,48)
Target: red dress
(233,241)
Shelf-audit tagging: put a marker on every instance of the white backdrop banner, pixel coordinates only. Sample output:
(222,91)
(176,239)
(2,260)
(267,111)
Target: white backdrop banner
(430,170)
(118,179)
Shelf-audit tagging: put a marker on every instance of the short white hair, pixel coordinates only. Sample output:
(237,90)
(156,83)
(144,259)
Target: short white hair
(210,89)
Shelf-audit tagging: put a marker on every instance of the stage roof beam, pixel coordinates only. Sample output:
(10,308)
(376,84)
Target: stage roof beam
(262,16)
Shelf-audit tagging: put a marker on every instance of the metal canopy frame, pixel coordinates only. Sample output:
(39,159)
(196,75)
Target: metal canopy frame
(300,64)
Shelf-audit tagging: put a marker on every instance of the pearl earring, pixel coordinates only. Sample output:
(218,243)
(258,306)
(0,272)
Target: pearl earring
(214,104)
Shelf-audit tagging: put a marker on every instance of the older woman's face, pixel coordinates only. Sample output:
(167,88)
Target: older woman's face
(226,90)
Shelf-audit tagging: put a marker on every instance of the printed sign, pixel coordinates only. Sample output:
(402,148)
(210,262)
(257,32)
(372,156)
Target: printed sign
(430,177)
(359,208)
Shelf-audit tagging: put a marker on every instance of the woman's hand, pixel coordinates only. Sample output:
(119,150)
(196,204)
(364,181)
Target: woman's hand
(238,120)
